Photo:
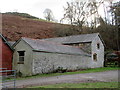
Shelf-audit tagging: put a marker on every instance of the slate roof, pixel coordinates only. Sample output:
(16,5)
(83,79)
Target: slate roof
(46,46)
(83,38)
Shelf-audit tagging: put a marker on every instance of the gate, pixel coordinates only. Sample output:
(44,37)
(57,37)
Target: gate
(7,78)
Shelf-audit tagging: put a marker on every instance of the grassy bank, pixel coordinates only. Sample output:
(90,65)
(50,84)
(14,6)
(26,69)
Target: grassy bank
(75,72)
(82,85)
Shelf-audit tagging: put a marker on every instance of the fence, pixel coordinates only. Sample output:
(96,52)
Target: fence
(7,78)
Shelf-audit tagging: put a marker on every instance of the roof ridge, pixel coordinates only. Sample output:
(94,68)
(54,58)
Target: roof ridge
(82,38)
(49,42)
(72,35)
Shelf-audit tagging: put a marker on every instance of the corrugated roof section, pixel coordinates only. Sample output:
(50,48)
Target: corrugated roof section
(74,39)
(41,45)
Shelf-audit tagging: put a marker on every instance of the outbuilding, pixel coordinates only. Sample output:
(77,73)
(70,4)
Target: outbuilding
(34,56)
(89,43)
(6,53)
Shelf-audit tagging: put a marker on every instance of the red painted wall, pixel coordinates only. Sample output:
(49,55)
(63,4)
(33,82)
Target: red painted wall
(5,56)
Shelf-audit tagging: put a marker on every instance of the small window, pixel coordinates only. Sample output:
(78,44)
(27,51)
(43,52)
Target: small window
(95,57)
(98,45)
(21,57)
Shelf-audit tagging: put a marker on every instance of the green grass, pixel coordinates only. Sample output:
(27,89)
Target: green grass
(69,73)
(43,20)
(82,85)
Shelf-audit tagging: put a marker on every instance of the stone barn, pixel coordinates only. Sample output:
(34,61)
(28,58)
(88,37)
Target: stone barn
(6,53)
(34,56)
(92,44)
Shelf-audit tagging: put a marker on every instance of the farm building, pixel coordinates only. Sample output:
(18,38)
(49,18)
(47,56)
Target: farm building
(35,56)
(90,43)
(6,53)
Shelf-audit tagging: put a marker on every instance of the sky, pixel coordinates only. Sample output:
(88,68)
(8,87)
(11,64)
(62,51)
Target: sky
(36,7)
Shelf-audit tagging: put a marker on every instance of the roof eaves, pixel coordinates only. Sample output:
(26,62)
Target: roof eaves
(19,41)
(98,35)
(76,42)
(102,40)
(62,53)
(16,42)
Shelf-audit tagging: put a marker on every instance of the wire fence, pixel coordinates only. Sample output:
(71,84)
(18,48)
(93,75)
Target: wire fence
(7,78)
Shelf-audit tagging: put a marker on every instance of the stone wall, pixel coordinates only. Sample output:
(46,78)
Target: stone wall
(48,62)
(100,52)
(84,46)
(26,67)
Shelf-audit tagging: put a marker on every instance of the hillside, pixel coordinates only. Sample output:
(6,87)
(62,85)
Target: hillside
(15,27)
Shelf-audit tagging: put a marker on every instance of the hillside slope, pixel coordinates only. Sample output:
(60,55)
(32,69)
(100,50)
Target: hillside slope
(14,27)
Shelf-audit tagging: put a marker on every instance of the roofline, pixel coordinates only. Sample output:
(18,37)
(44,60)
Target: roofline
(88,41)
(60,53)
(102,40)
(76,42)
(16,43)
(19,41)
(6,42)
(71,36)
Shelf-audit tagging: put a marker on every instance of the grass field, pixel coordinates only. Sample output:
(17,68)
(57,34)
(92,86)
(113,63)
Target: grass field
(82,85)
(75,72)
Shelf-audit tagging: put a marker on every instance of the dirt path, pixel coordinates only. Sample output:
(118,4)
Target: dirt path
(106,76)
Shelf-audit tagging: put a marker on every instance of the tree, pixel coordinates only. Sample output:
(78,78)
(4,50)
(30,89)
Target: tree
(93,7)
(48,15)
(75,14)
(115,10)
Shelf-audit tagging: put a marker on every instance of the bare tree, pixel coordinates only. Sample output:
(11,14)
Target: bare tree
(75,14)
(48,15)
(93,7)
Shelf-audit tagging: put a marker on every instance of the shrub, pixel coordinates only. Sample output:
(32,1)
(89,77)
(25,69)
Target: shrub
(19,74)
(60,70)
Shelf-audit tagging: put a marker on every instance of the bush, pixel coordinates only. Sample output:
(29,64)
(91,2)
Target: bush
(65,30)
(19,74)
(60,70)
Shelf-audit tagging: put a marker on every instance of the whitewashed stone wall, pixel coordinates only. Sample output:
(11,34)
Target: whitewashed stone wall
(26,68)
(99,52)
(47,62)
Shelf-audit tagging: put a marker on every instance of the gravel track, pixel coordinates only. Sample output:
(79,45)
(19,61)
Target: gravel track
(106,76)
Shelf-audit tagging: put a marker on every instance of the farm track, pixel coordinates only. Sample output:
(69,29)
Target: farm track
(107,76)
